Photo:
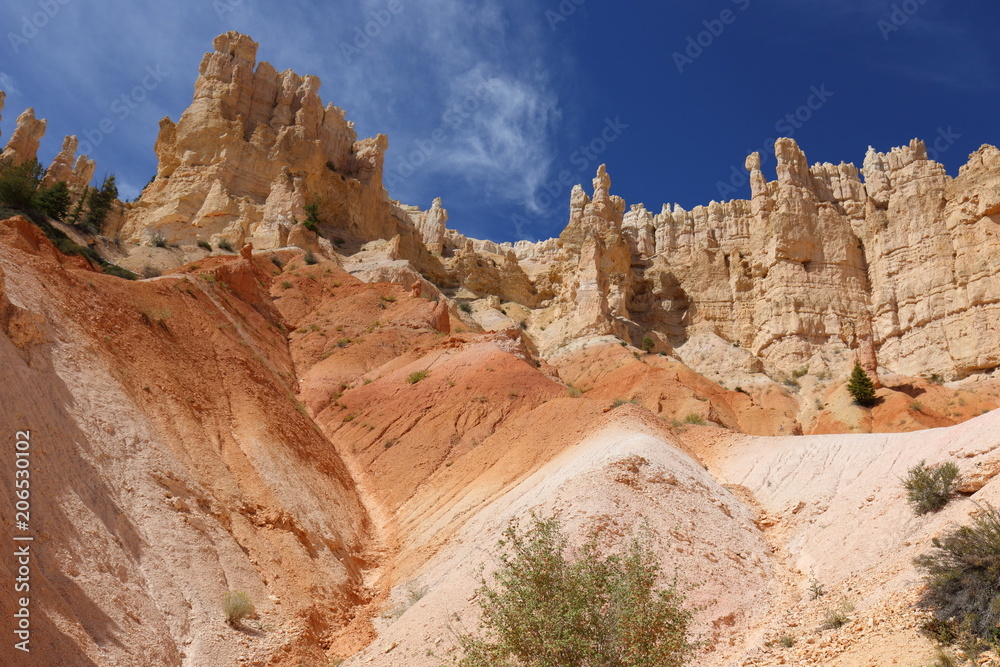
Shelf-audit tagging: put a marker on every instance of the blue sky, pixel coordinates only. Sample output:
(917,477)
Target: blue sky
(497,105)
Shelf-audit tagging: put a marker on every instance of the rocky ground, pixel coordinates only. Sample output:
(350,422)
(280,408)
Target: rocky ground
(349,453)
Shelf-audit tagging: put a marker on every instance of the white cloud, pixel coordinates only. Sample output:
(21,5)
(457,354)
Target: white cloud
(8,85)
(503,136)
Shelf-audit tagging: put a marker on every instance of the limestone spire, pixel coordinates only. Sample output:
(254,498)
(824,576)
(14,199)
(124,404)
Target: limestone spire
(23,144)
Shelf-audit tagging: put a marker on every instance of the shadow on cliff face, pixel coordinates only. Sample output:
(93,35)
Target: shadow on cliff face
(66,490)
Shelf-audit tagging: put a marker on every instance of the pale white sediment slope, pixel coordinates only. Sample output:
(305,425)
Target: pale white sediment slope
(768,516)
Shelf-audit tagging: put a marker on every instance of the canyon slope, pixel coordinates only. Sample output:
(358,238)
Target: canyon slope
(329,400)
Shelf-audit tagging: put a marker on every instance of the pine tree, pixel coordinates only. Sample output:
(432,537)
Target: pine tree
(312,214)
(99,204)
(54,200)
(861,387)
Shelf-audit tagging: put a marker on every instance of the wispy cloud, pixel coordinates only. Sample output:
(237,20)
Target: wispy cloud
(475,72)
(8,85)
(416,64)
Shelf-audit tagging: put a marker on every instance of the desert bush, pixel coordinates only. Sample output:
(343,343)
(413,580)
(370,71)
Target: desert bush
(648,344)
(205,245)
(837,617)
(549,608)
(694,418)
(54,200)
(310,258)
(158,241)
(236,605)
(465,307)
(19,184)
(816,589)
(929,488)
(416,376)
(150,272)
(861,387)
(226,245)
(117,271)
(963,578)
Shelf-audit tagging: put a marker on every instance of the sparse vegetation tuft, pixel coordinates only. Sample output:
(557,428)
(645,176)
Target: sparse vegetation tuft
(694,418)
(416,376)
(236,605)
(548,607)
(838,617)
(226,245)
(205,245)
(158,241)
(648,344)
(929,488)
(816,589)
(465,307)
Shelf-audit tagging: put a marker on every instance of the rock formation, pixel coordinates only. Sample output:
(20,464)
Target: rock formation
(894,264)
(253,149)
(23,144)
(900,269)
(77,172)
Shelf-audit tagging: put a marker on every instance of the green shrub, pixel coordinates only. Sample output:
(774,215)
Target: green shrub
(574,392)
(312,214)
(694,418)
(54,200)
(648,344)
(19,184)
(861,387)
(226,245)
(929,488)
(310,258)
(236,606)
(158,241)
(416,377)
(547,609)
(205,245)
(465,307)
(118,272)
(963,578)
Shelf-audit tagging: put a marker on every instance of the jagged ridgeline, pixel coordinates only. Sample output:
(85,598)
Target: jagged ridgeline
(897,269)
